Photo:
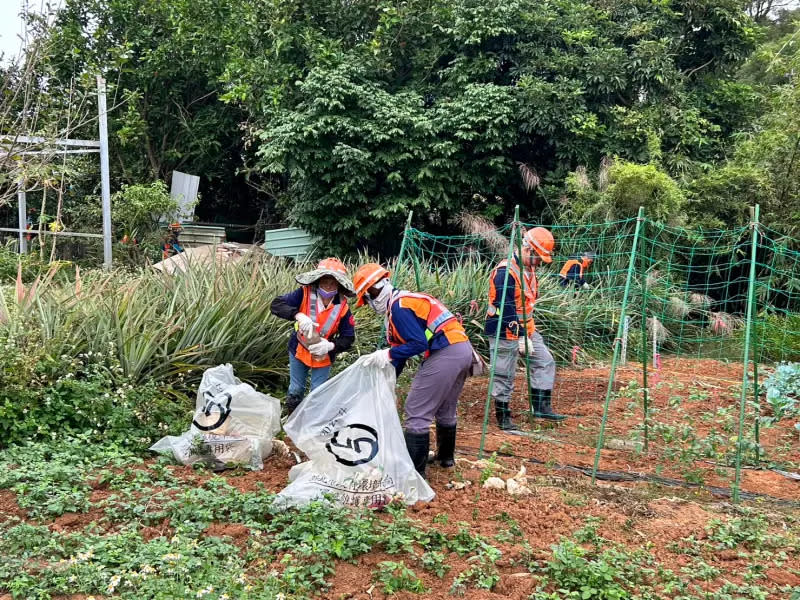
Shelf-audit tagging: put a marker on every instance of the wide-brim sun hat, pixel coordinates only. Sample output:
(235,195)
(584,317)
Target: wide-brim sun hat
(332,267)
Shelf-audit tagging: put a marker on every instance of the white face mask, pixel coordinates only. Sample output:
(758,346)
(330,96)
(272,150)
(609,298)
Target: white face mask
(381,304)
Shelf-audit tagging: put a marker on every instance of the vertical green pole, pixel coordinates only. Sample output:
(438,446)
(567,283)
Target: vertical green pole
(617,344)
(748,324)
(643,277)
(398,266)
(756,358)
(525,320)
(514,232)
(415,260)
(757,423)
(403,245)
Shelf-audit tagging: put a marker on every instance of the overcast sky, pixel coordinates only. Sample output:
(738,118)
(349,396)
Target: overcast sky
(10,27)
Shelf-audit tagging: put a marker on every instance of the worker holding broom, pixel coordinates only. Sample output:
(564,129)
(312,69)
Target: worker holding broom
(324,325)
(515,318)
(420,324)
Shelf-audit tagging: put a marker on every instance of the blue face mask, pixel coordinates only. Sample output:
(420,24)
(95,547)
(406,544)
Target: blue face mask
(325,295)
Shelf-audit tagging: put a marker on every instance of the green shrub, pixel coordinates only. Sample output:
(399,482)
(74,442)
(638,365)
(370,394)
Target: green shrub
(632,186)
(139,208)
(46,397)
(580,575)
(778,337)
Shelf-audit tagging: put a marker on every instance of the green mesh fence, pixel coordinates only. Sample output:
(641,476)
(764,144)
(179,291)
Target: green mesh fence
(652,366)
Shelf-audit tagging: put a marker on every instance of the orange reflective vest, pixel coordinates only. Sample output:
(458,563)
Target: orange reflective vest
(435,314)
(327,325)
(531,293)
(571,263)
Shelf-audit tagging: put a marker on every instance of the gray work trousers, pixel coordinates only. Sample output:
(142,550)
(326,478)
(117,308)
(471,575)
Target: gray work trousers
(543,366)
(437,386)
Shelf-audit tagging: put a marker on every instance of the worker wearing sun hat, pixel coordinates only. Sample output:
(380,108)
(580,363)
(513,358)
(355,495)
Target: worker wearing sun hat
(324,325)
(416,324)
(515,318)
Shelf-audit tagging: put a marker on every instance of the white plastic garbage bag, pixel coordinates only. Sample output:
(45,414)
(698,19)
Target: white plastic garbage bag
(232,424)
(349,429)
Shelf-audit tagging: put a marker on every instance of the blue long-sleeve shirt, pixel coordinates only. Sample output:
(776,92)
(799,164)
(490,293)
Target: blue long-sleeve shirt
(508,314)
(412,329)
(288,305)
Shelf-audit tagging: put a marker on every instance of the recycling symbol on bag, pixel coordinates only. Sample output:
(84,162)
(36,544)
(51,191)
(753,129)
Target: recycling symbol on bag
(354,444)
(217,406)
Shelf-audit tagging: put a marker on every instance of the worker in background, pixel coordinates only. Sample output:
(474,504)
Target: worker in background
(324,325)
(574,270)
(171,245)
(420,324)
(515,325)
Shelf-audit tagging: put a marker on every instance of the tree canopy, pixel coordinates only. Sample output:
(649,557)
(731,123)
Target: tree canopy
(343,116)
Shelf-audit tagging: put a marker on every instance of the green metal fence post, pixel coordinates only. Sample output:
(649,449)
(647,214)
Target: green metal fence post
(617,344)
(756,358)
(525,320)
(746,358)
(398,266)
(514,232)
(643,283)
(403,245)
(415,261)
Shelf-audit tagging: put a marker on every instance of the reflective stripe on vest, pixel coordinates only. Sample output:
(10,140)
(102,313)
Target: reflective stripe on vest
(333,315)
(437,316)
(531,290)
(330,324)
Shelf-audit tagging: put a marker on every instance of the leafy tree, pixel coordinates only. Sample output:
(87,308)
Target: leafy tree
(722,197)
(353,113)
(163,61)
(371,109)
(764,166)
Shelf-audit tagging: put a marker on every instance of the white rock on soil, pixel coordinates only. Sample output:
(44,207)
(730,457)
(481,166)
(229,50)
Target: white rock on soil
(517,489)
(494,483)
(458,485)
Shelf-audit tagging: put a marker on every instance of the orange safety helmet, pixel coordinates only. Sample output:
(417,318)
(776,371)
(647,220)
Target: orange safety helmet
(367,276)
(332,264)
(542,242)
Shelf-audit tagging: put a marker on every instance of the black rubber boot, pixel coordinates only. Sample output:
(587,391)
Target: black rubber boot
(542,408)
(418,444)
(503,413)
(292,402)
(445,445)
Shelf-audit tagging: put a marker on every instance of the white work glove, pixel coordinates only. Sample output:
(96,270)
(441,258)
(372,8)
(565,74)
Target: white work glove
(379,358)
(321,348)
(521,345)
(305,324)
(586,286)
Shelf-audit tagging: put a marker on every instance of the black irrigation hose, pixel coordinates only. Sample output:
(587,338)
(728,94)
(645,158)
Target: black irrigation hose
(634,476)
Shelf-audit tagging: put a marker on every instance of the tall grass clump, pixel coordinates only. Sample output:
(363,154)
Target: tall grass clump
(159,325)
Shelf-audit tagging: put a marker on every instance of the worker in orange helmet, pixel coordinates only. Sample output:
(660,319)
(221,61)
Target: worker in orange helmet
(516,325)
(416,324)
(574,270)
(171,244)
(324,325)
